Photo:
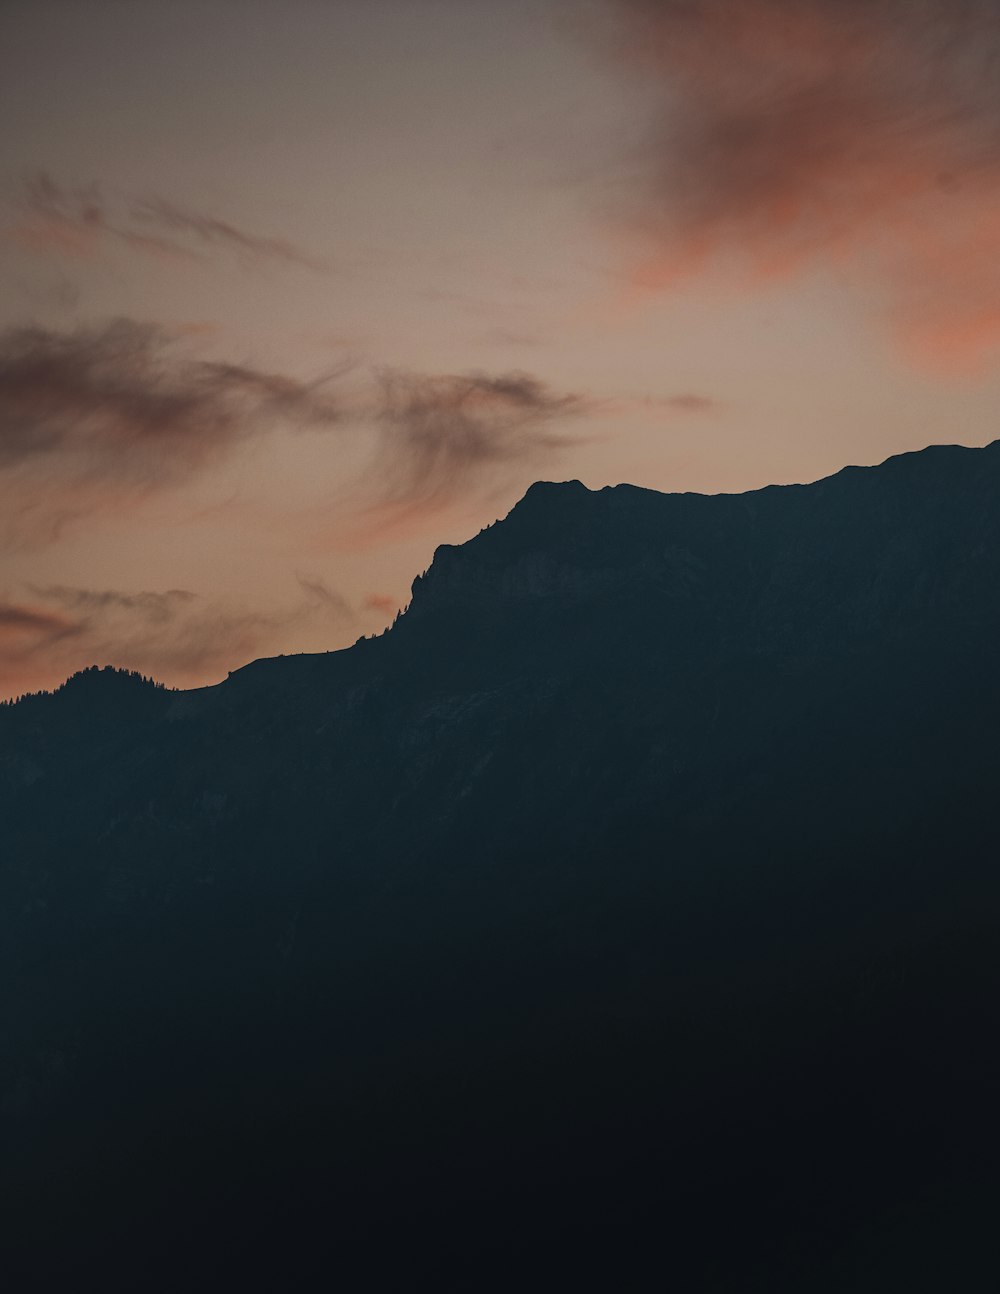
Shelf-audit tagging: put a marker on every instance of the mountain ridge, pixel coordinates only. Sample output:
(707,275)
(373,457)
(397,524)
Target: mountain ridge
(548,493)
(629,906)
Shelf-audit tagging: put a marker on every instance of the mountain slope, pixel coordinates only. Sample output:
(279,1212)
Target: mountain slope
(630,903)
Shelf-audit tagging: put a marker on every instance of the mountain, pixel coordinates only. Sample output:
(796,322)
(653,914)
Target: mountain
(625,915)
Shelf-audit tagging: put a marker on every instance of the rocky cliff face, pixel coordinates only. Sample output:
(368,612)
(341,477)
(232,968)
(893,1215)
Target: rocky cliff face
(636,892)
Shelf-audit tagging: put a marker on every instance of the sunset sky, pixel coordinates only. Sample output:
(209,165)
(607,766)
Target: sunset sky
(294,292)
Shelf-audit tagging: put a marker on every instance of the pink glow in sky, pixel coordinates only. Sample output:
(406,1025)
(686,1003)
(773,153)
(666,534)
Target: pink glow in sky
(294,292)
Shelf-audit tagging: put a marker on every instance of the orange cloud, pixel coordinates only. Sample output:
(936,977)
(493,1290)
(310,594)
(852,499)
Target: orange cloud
(43,235)
(849,132)
(383,603)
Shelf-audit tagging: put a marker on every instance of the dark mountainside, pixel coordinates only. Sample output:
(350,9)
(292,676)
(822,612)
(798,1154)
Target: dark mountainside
(625,917)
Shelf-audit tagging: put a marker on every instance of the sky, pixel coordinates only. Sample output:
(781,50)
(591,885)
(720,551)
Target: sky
(295,291)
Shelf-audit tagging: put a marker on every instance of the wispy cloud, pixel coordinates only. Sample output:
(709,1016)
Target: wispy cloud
(210,231)
(685,402)
(438,435)
(494,337)
(82,220)
(94,421)
(177,636)
(93,415)
(859,133)
(319,595)
(22,623)
(445,442)
(681,404)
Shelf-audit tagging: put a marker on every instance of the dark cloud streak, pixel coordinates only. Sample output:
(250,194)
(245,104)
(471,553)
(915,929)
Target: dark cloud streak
(440,436)
(213,232)
(77,220)
(95,418)
(92,421)
(18,619)
(156,607)
(320,595)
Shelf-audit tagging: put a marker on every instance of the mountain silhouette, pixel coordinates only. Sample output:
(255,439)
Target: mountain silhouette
(625,915)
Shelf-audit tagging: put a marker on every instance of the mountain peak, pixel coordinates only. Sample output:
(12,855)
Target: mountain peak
(549,490)
(564,545)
